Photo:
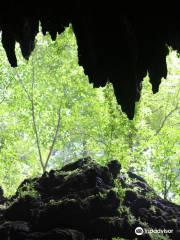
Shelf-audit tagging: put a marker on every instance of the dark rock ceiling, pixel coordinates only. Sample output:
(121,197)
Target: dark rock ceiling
(116,44)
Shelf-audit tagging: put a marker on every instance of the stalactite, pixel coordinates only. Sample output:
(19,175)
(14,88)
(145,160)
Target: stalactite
(114,44)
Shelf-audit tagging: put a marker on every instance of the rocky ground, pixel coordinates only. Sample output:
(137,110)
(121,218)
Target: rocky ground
(85,201)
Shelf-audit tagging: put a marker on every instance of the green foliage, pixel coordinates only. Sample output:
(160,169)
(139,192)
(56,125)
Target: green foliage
(51,86)
(28,191)
(119,189)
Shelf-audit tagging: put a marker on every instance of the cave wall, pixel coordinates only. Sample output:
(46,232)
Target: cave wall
(116,43)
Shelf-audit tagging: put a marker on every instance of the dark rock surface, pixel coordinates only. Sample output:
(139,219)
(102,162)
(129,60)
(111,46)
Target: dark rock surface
(2,198)
(117,42)
(86,201)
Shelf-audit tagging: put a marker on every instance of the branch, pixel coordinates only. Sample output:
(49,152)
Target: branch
(173,179)
(156,110)
(31,99)
(54,140)
(166,117)
(177,107)
(165,190)
(6,87)
(23,86)
(34,121)
(36,134)
(2,100)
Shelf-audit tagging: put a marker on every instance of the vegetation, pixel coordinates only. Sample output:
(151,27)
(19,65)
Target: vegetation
(50,114)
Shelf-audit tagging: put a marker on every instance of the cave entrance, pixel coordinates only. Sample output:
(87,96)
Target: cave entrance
(51,115)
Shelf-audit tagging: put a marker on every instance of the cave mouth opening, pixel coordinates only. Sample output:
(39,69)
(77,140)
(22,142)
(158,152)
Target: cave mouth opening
(51,115)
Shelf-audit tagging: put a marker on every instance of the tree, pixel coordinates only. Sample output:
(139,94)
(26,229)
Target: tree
(158,133)
(50,114)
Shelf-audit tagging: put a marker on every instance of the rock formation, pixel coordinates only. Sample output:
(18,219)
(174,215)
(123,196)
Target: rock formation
(116,43)
(85,200)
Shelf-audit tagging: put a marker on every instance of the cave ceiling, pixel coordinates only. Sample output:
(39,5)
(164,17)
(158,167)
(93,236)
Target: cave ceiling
(115,44)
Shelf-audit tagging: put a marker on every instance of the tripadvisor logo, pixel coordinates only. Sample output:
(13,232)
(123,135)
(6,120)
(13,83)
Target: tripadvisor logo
(139,231)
